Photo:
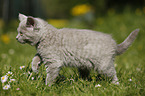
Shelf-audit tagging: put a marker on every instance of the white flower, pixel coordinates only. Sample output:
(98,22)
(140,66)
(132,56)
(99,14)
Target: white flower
(4,78)
(117,83)
(130,80)
(11,80)
(21,67)
(18,89)
(32,78)
(6,87)
(9,74)
(98,85)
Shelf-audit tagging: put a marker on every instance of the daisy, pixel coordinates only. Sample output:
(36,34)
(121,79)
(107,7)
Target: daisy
(6,87)
(117,83)
(4,78)
(130,80)
(32,78)
(21,67)
(11,80)
(18,89)
(98,85)
(9,74)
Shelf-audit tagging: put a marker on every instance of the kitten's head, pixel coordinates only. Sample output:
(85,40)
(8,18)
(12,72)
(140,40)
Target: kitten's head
(28,30)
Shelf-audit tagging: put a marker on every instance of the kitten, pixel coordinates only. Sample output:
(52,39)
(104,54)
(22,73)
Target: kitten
(84,49)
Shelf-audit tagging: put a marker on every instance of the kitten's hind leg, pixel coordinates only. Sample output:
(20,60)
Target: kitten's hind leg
(35,63)
(107,68)
(115,80)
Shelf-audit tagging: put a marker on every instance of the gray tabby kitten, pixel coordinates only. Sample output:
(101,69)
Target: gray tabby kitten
(84,49)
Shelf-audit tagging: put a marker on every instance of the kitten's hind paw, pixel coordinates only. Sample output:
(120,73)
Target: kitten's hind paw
(115,82)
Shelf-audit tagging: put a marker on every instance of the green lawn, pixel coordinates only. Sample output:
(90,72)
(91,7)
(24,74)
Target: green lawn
(130,66)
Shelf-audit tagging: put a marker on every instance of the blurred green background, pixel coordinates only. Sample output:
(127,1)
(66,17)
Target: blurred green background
(76,10)
(62,8)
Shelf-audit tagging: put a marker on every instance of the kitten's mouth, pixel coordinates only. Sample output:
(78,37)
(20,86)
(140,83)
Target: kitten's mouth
(27,41)
(22,42)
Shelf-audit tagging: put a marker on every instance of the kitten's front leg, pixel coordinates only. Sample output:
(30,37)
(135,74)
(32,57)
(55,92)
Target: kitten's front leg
(52,70)
(35,63)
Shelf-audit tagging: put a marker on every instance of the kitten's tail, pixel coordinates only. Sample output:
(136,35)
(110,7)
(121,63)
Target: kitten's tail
(127,42)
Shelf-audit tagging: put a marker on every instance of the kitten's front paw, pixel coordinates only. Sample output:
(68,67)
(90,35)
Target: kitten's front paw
(48,83)
(35,69)
(115,82)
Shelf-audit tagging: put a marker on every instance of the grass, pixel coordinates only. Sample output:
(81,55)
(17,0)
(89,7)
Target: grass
(129,66)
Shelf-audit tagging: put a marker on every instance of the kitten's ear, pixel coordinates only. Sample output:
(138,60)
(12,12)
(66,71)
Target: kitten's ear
(22,17)
(30,21)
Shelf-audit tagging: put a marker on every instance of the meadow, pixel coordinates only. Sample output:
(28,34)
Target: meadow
(15,63)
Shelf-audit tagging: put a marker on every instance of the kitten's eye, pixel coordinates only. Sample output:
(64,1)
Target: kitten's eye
(21,33)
